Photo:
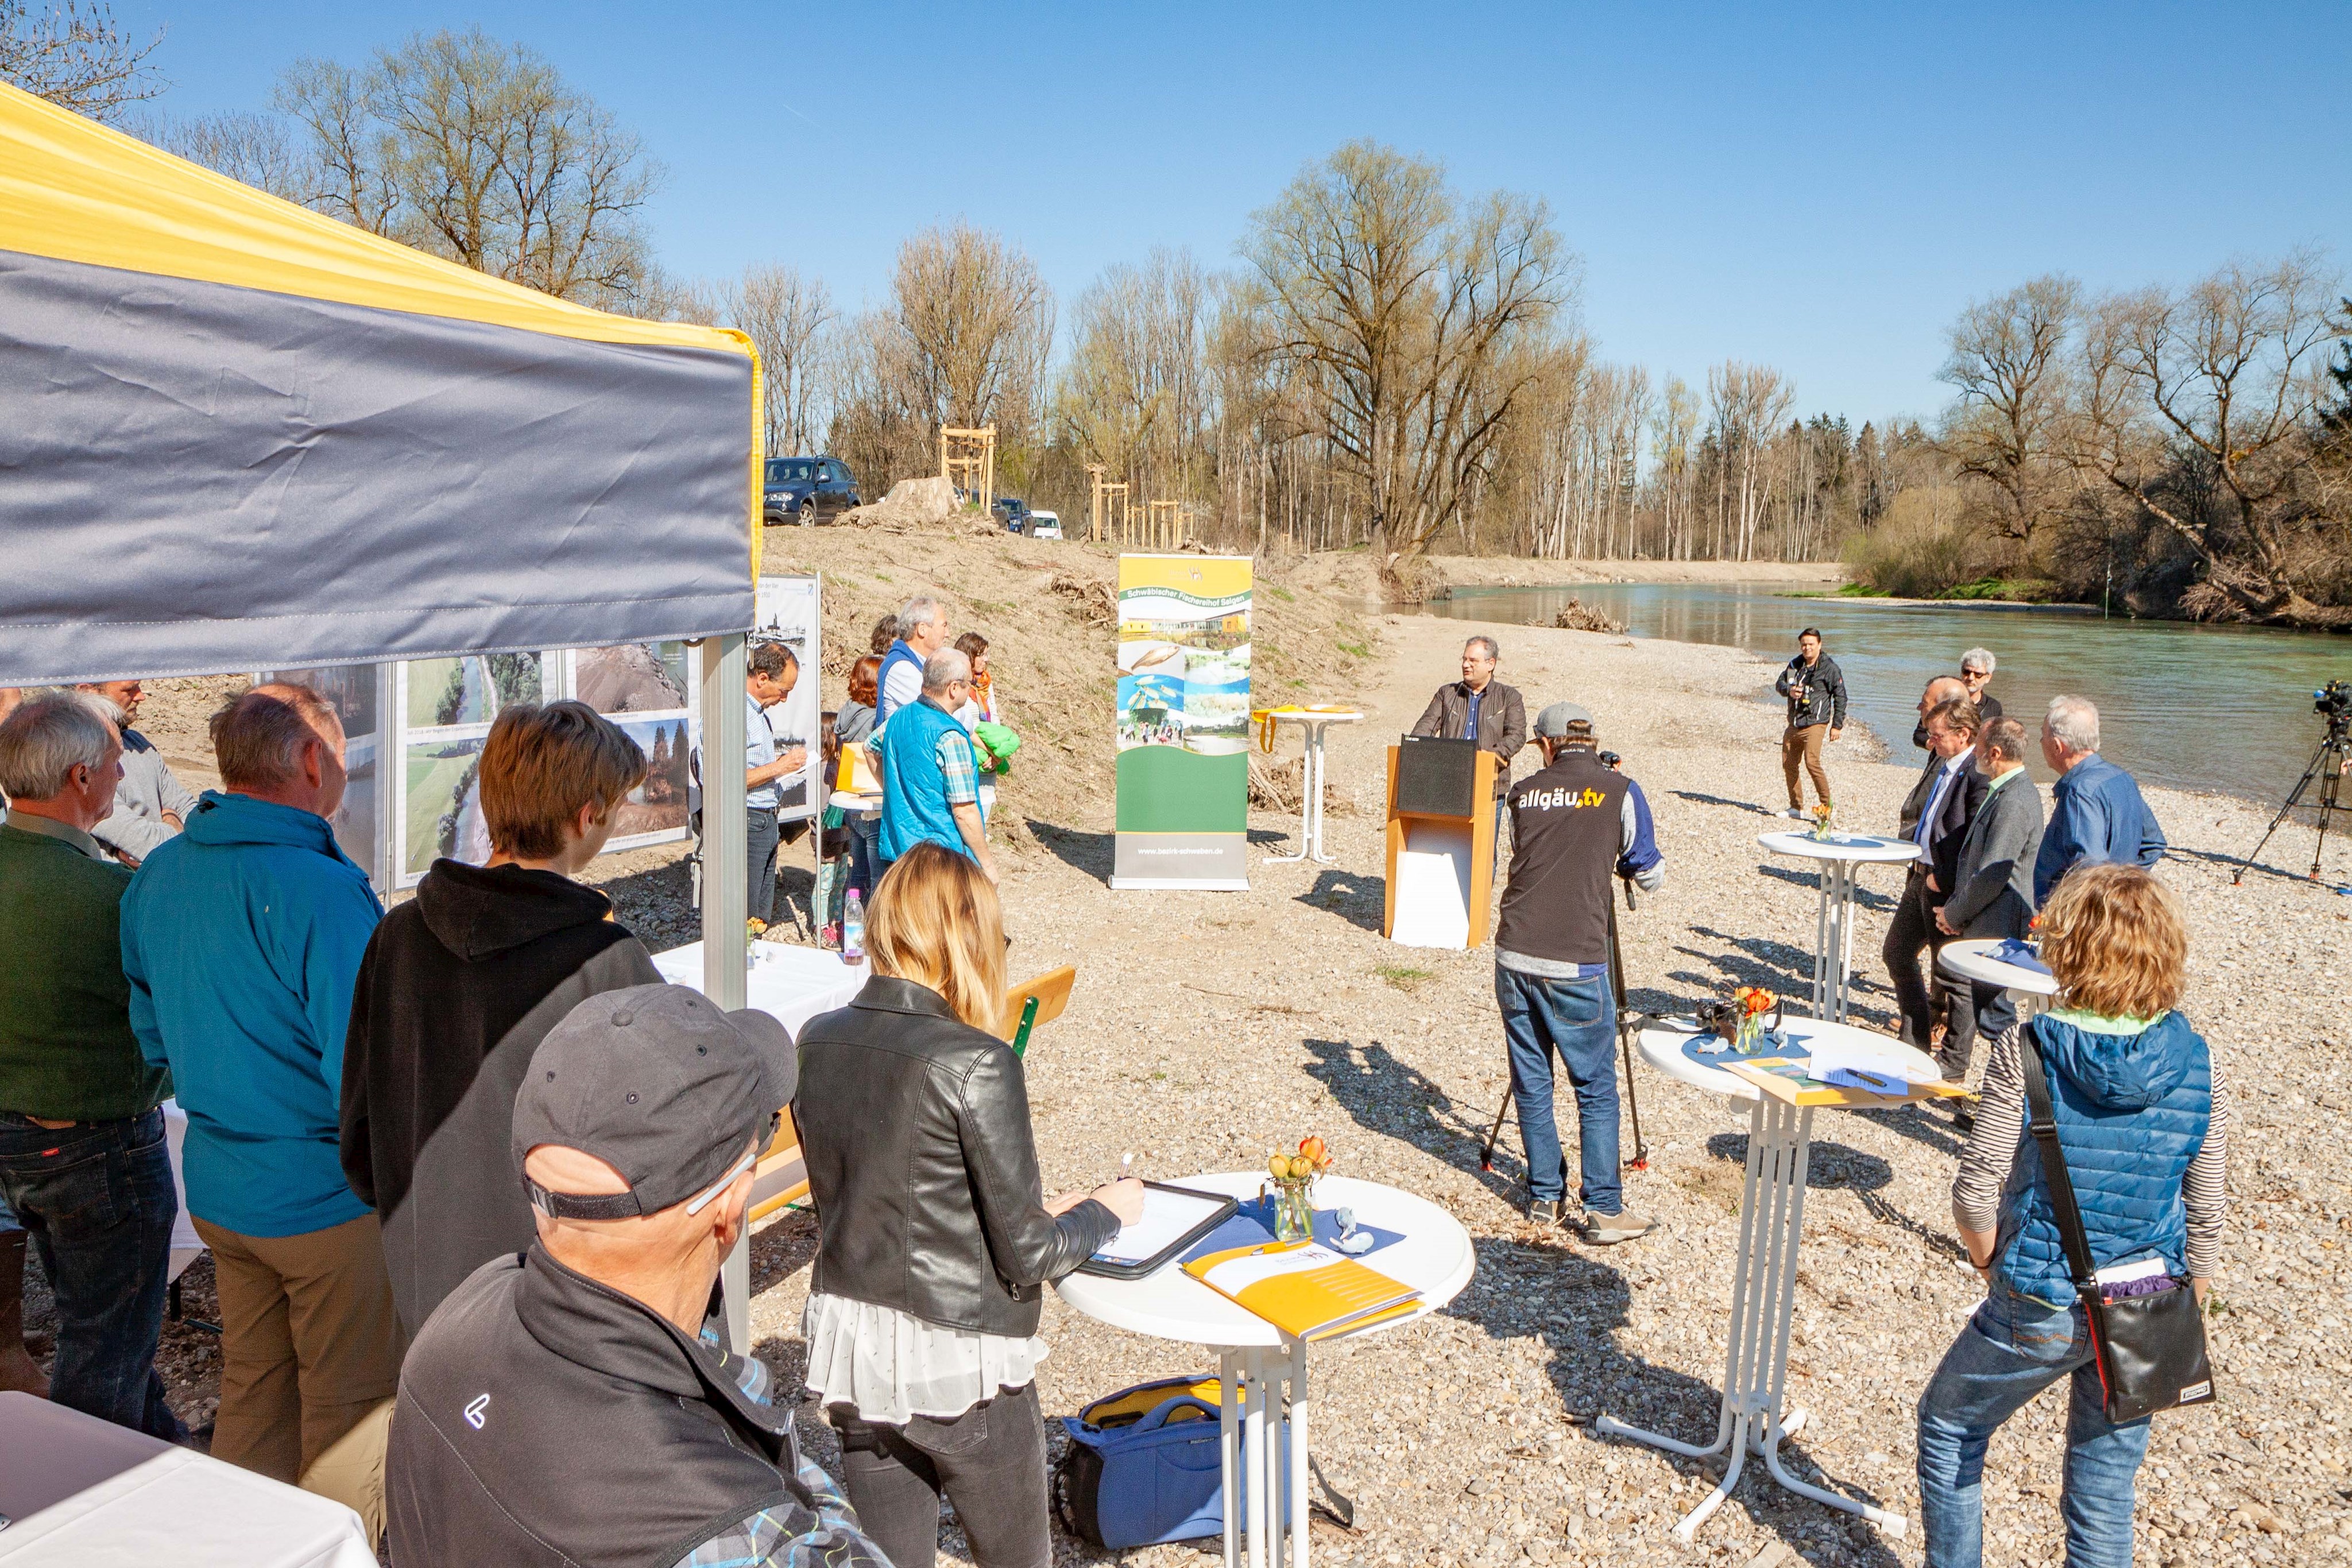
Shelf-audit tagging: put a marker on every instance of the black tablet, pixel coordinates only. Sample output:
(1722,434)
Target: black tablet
(1173,1218)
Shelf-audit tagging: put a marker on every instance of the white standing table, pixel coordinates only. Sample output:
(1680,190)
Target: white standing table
(1764,1281)
(1312,722)
(1978,960)
(791,985)
(1255,1362)
(1836,857)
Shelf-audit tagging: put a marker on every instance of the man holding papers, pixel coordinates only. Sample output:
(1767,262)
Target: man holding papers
(1574,825)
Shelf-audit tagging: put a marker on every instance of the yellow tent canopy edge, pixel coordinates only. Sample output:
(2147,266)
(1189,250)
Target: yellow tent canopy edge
(73,190)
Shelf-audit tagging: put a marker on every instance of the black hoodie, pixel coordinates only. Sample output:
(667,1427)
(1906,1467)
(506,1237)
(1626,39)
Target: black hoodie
(457,989)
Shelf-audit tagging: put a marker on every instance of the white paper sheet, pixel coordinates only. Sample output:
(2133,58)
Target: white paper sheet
(1166,1216)
(1830,1056)
(1432,899)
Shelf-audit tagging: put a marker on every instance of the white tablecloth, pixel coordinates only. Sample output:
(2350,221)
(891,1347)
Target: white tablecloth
(186,1510)
(791,985)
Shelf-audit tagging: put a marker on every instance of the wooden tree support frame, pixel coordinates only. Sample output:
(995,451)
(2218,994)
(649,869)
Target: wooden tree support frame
(1099,523)
(1168,524)
(968,461)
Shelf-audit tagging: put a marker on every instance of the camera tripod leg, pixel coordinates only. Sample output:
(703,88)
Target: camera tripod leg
(2327,748)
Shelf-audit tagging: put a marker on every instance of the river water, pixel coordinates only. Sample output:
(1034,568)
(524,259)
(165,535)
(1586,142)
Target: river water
(2198,707)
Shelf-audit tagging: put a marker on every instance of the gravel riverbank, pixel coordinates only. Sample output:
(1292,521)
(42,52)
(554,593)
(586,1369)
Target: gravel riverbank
(1207,1027)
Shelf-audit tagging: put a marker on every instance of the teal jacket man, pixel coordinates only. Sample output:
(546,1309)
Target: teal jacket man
(241,939)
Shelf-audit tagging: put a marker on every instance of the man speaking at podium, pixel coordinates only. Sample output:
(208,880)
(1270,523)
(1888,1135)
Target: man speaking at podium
(1480,708)
(1574,824)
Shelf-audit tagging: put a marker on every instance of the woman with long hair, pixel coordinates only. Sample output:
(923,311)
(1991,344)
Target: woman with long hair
(855,723)
(935,1240)
(2142,1120)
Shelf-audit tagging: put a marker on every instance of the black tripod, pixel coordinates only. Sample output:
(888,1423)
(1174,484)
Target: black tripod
(2328,765)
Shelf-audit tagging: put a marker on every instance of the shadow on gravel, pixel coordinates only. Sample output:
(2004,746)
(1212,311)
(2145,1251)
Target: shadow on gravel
(1386,1096)
(1828,1165)
(1810,881)
(1574,1304)
(1079,850)
(1694,796)
(1362,901)
(1782,966)
(1918,1126)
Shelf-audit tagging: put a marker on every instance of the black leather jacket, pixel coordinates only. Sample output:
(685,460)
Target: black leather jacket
(915,1127)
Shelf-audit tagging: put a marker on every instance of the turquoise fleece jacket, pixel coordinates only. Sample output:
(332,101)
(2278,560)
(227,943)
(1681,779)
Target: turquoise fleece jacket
(241,938)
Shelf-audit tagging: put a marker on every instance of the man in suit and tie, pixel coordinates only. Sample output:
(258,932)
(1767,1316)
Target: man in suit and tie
(1992,882)
(1936,819)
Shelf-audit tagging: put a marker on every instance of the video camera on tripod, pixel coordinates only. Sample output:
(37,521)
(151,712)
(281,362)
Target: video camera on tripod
(2329,766)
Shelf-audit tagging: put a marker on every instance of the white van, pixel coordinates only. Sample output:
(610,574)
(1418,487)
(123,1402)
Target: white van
(1044,526)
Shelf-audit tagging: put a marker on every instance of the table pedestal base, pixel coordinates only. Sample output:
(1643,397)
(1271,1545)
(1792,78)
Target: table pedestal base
(1311,769)
(1763,1302)
(1250,1438)
(1833,940)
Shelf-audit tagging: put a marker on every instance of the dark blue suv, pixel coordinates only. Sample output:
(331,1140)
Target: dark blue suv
(806,490)
(1012,512)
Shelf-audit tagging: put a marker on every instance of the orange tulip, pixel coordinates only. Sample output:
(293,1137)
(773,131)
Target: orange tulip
(1313,1148)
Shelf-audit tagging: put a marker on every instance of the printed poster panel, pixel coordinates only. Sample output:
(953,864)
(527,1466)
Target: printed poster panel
(1183,722)
(786,611)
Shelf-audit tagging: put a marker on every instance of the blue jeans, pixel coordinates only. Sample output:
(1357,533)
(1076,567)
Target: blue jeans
(2011,1350)
(1576,1019)
(98,1202)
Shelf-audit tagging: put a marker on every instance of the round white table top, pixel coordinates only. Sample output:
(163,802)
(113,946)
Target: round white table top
(1975,960)
(1314,715)
(851,801)
(1677,1049)
(1436,1258)
(1842,846)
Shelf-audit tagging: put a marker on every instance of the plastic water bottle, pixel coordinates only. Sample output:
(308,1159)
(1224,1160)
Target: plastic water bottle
(853,930)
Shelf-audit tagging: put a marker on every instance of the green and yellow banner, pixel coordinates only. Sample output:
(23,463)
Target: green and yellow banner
(1183,721)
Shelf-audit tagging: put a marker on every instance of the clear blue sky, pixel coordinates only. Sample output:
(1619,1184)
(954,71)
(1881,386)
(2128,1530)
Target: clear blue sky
(1820,188)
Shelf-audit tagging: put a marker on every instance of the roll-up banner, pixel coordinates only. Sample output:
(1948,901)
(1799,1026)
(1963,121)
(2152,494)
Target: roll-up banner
(1183,722)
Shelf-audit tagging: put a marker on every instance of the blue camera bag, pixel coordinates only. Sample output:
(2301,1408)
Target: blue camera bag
(1130,1481)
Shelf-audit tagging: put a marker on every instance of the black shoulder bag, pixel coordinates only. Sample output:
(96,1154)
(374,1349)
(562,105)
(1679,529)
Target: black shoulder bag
(2150,1349)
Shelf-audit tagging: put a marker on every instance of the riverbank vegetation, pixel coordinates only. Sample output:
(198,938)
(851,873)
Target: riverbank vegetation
(1393,361)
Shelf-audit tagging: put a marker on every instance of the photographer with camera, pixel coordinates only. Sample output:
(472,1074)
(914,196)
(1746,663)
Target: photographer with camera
(1575,823)
(1815,688)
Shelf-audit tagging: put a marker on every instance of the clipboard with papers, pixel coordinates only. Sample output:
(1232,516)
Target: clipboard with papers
(1174,1217)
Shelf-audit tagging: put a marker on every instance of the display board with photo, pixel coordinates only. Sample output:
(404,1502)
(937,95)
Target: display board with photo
(787,612)
(353,691)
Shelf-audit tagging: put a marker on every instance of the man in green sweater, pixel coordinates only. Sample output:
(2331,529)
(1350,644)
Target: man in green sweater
(83,1159)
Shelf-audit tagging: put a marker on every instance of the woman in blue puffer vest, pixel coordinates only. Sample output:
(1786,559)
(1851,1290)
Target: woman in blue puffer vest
(2144,1120)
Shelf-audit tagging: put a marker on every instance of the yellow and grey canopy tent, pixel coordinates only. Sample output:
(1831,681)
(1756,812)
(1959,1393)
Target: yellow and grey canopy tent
(236,433)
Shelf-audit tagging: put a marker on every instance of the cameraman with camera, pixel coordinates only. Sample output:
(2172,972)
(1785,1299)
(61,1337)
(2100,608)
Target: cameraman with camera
(1815,688)
(1575,823)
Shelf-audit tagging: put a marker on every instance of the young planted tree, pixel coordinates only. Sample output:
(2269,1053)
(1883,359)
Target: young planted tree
(1404,307)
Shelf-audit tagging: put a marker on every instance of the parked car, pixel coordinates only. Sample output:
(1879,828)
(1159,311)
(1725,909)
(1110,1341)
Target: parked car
(806,490)
(1044,526)
(1012,512)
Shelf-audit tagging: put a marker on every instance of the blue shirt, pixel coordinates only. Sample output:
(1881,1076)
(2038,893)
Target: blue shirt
(927,769)
(2096,814)
(759,750)
(242,938)
(1470,719)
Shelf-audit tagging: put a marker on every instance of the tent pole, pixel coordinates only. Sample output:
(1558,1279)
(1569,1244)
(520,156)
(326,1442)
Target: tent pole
(723,934)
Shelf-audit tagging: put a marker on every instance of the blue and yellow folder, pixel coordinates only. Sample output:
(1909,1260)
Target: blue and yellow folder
(1303,1288)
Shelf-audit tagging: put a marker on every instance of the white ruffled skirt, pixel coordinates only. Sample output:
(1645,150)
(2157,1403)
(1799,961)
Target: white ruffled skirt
(888,1366)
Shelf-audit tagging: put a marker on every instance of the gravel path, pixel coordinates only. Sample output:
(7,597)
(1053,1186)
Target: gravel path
(1208,1027)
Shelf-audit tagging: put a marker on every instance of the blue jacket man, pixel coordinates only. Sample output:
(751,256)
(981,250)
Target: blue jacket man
(242,939)
(2096,810)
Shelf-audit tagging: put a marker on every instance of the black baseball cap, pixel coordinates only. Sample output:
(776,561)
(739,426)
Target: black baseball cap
(660,1085)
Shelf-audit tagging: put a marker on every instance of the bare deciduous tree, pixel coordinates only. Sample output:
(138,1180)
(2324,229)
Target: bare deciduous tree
(2008,361)
(77,57)
(1406,308)
(253,149)
(2199,407)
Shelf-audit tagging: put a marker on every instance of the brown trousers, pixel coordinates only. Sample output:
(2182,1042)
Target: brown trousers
(1804,747)
(309,1342)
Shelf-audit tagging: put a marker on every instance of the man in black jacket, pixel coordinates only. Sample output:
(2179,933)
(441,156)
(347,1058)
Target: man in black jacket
(1815,688)
(567,1404)
(461,984)
(1951,788)
(1481,708)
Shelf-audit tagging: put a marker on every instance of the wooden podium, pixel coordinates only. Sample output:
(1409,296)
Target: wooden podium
(1441,836)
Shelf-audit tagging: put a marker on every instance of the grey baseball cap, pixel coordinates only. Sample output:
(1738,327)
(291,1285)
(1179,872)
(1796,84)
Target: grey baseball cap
(660,1085)
(1553,721)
